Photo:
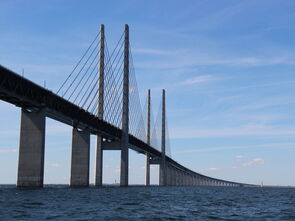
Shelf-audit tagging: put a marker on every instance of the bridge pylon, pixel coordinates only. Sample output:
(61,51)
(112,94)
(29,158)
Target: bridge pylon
(125,114)
(148,138)
(100,112)
(163,170)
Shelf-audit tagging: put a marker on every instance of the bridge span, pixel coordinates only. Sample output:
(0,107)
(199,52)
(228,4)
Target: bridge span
(37,103)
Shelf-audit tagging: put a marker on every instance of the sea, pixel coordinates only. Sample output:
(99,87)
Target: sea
(59,202)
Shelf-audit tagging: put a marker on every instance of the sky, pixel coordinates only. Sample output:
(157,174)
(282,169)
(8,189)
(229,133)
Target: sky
(227,67)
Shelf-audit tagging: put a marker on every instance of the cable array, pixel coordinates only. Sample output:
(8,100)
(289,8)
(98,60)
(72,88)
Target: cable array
(156,134)
(113,84)
(81,87)
(137,126)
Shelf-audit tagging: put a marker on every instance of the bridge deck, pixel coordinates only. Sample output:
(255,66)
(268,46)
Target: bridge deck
(23,93)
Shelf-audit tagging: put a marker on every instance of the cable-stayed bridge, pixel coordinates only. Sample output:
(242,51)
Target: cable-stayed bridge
(100,96)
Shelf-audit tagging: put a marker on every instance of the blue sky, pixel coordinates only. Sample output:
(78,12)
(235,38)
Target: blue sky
(228,68)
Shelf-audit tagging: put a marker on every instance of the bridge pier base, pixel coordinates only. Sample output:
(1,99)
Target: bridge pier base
(99,162)
(31,149)
(124,164)
(80,158)
(174,175)
(147,170)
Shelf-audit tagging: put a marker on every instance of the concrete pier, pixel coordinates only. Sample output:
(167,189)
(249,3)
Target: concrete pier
(99,162)
(80,158)
(31,149)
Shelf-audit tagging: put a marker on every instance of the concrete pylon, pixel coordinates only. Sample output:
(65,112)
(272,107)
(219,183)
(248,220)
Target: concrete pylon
(178,178)
(163,171)
(99,148)
(31,149)
(80,158)
(174,176)
(125,114)
(148,138)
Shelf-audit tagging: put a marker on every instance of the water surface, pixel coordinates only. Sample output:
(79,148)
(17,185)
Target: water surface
(147,203)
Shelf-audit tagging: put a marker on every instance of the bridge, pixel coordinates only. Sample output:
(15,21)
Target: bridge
(99,97)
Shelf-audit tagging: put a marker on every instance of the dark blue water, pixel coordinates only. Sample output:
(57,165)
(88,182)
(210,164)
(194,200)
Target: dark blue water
(147,203)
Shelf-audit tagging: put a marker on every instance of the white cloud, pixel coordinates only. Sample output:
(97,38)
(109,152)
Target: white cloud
(8,150)
(193,60)
(239,158)
(241,131)
(253,162)
(151,51)
(270,102)
(198,79)
(212,169)
(55,165)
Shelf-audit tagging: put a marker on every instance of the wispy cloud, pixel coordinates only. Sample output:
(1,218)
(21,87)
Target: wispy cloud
(8,150)
(55,165)
(212,169)
(253,162)
(198,79)
(193,60)
(270,102)
(239,158)
(241,131)
(229,147)
(151,51)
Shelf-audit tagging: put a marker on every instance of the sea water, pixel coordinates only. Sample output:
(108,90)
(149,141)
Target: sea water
(59,202)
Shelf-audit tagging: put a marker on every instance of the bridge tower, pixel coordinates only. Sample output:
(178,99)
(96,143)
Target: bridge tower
(99,144)
(125,114)
(163,176)
(148,136)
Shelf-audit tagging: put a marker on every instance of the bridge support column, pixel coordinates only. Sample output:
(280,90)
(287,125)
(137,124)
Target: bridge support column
(31,149)
(170,176)
(80,158)
(167,175)
(195,180)
(183,179)
(99,162)
(174,176)
(177,178)
(147,170)
(188,179)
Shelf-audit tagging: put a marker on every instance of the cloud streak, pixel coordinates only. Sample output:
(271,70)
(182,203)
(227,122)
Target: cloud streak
(8,150)
(55,165)
(198,80)
(212,169)
(253,162)
(242,131)
(221,148)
